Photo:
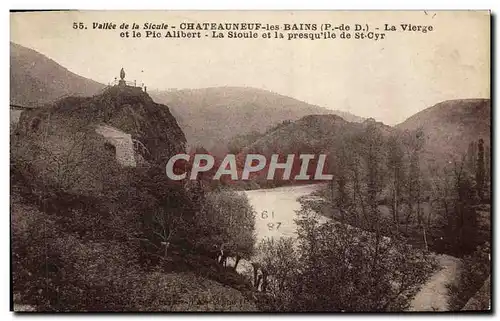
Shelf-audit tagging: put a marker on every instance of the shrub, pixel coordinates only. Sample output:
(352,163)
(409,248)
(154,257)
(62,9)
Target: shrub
(335,267)
(475,269)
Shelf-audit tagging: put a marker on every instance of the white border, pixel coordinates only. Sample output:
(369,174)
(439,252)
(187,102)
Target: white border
(256,5)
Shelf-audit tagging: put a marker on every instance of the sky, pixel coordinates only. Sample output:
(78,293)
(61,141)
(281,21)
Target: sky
(389,79)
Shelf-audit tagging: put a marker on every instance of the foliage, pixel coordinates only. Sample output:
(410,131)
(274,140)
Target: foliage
(280,259)
(455,205)
(239,142)
(335,267)
(232,221)
(57,271)
(81,248)
(475,270)
(67,262)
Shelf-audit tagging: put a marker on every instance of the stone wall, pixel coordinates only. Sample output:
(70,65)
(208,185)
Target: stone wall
(122,142)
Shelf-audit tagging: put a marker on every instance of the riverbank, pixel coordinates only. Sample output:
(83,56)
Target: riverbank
(280,204)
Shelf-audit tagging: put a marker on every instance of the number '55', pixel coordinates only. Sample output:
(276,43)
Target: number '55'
(78,25)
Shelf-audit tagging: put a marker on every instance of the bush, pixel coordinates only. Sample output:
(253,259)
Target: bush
(475,269)
(34,268)
(109,241)
(229,221)
(57,271)
(335,267)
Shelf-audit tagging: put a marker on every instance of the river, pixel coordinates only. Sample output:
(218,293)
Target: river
(276,209)
(275,213)
(280,204)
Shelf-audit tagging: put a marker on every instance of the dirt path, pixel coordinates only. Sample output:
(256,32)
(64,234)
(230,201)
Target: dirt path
(433,296)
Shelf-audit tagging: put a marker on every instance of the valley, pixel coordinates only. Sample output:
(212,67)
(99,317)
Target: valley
(401,222)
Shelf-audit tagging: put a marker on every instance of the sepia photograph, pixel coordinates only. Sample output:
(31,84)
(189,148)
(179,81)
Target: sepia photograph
(250,161)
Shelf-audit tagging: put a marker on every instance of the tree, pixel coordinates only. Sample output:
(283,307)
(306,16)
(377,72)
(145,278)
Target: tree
(472,156)
(339,189)
(413,142)
(335,267)
(459,218)
(279,259)
(229,222)
(466,217)
(165,227)
(375,178)
(475,270)
(480,170)
(396,172)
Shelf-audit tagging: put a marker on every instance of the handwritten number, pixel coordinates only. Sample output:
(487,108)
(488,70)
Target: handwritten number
(272,226)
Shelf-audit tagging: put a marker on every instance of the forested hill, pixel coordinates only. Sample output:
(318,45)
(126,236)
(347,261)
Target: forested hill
(210,117)
(450,126)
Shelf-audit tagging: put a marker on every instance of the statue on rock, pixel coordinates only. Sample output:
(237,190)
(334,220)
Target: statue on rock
(122,78)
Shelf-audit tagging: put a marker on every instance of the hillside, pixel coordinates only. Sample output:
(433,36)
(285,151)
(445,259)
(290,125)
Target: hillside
(100,223)
(36,79)
(451,125)
(212,116)
(312,133)
(97,260)
(65,133)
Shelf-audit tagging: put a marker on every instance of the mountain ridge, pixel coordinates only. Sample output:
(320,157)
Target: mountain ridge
(211,116)
(36,79)
(451,125)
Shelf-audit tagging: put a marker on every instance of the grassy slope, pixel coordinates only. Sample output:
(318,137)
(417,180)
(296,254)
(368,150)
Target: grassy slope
(152,291)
